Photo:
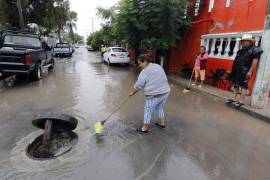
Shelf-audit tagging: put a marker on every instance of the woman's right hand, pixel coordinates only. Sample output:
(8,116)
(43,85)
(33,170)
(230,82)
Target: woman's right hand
(133,92)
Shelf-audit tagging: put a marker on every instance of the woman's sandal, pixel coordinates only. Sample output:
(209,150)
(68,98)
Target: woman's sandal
(141,131)
(160,126)
(229,101)
(238,104)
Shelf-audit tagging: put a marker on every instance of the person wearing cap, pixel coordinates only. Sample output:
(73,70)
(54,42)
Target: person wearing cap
(103,50)
(153,81)
(244,65)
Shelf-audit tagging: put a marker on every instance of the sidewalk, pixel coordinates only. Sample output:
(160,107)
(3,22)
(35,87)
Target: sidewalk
(263,114)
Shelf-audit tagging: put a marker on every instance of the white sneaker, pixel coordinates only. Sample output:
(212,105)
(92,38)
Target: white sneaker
(193,84)
(200,86)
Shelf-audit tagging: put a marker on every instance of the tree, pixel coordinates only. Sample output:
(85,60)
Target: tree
(157,24)
(77,38)
(49,15)
(108,15)
(10,12)
(71,23)
(61,15)
(96,40)
(3,17)
(42,14)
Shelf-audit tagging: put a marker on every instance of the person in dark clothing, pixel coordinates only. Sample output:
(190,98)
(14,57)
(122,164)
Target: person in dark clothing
(243,67)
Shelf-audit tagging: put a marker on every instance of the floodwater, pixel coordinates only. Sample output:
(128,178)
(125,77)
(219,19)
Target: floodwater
(204,139)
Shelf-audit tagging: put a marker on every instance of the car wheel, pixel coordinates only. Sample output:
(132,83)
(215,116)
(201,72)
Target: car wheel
(36,73)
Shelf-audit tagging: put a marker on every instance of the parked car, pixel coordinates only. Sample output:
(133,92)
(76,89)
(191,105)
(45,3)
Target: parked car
(89,48)
(116,55)
(63,49)
(23,54)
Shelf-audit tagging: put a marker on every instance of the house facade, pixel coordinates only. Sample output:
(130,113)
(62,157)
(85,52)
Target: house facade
(219,25)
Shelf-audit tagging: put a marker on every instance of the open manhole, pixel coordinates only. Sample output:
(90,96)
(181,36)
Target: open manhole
(58,137)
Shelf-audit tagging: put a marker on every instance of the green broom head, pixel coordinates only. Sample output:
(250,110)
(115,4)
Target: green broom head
(186,90)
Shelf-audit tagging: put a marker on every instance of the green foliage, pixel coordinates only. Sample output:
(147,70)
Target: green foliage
(96,40)
(77,38)
(49,15)
(3,18)
(157,24)
(106,14)
(10,13)
(107,32)
(70,24)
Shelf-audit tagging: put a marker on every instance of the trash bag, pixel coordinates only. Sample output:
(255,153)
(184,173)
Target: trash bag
(219,74)
(187,72)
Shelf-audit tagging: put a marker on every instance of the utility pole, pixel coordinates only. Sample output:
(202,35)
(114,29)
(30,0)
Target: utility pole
(19,6)
(262,84)
(92,25)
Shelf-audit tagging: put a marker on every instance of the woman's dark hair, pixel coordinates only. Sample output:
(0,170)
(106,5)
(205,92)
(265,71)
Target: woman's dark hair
(203,47)
(144,57)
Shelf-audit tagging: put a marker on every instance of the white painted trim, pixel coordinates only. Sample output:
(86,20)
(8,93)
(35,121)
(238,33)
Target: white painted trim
(232,34)
(211,5)
(229,36)
(228,3)
(230,58)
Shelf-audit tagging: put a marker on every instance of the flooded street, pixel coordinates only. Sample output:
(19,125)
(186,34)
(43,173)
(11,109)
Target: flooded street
(204,139)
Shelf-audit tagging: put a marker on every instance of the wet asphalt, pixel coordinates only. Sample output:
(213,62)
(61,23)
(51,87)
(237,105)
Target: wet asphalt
(204,139)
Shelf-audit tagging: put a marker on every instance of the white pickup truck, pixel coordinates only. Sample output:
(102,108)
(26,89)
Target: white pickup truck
(62,49)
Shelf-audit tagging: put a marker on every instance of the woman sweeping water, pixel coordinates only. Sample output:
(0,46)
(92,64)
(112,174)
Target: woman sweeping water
(153,81)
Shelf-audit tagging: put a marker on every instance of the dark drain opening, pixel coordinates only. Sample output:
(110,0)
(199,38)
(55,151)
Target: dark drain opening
(61,143)
(57,139)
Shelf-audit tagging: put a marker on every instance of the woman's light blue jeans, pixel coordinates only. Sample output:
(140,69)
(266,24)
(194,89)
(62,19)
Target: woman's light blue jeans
(155,103)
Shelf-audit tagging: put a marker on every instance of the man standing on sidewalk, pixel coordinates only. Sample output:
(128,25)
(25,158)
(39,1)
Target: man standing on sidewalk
(244,65)
(153,81)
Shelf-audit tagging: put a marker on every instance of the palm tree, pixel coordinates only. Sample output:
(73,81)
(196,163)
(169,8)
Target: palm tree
(71,23)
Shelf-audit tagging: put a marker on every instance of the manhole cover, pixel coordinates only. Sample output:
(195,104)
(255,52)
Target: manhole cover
(61,122)
(57,139)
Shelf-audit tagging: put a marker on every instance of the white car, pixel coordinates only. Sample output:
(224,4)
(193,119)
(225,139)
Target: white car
(116,55)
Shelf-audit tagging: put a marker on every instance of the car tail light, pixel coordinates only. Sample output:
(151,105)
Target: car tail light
(27,59)
(113,55)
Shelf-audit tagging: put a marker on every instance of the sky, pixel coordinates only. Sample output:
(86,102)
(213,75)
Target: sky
(86,9)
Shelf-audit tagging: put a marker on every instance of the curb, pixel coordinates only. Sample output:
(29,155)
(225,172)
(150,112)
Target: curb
(242,109)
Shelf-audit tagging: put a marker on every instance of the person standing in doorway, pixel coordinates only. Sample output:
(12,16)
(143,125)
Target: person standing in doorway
(244,65)
(153,81)
(200,66)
